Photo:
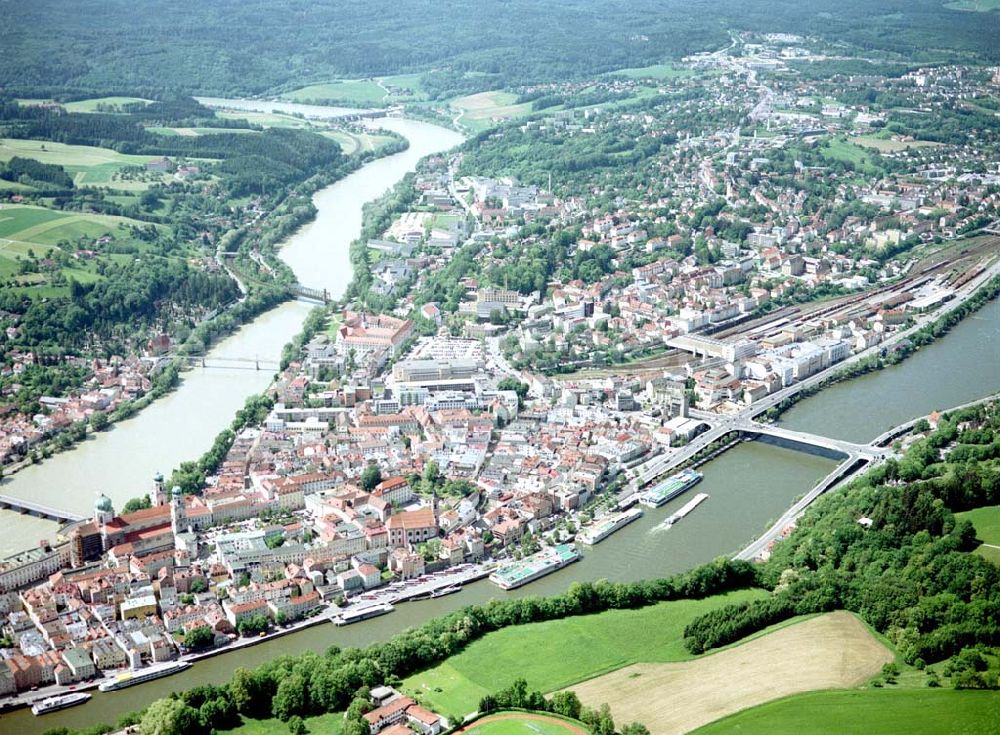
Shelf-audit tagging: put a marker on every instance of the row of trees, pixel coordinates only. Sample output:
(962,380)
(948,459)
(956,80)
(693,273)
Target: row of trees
(190,476)
(311,683)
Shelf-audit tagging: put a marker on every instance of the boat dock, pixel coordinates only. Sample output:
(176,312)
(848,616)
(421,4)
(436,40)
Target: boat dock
(688,507)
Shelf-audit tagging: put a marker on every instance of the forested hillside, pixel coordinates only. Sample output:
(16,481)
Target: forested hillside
(890,548)
(250,46)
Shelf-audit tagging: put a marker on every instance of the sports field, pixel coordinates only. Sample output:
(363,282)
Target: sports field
(887,145)
(833,651)
(987,524)
(522,723)
(538,651)
(886,712)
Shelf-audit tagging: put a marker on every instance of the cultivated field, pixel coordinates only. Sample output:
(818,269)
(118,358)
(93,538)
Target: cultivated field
(899,712)
(827,652)
(987,524)
(522,723)
(538,651)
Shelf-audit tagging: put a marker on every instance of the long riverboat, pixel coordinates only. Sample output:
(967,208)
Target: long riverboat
(670,488)
(606,526)
(58,702)
(365,613)
(518,573)
(131,678)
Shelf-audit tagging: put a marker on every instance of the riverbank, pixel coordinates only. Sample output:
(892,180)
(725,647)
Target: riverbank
(288,214)
(922,337)
(122,460)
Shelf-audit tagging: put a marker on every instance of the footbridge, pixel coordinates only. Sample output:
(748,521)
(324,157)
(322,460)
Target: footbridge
(231,363)
(320,295)
(9,502)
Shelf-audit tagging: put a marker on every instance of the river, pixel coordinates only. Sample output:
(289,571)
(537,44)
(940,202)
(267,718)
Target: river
(749,486)
(956,369)
(121,462)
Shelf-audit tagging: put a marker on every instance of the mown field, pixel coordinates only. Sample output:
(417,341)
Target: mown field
(88,165)
(37,226)
(538,651)
(91,105)
(987,524)
(65,155)
(403,88)
(657,71)
(266,119)
(832,651)
(352,142)
(329,724)
(25,230)
(480,111)
(886,712)
(358,91)
(844,150)
(193,132)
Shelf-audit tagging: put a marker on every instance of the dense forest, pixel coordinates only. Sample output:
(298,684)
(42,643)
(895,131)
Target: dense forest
(160,45)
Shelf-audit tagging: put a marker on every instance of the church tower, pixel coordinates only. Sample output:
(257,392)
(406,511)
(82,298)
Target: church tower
(158,493)
(104,511)
(178,519)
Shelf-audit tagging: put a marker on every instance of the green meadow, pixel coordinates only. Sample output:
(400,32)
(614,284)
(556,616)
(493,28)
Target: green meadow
(537,651)
(886,712)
